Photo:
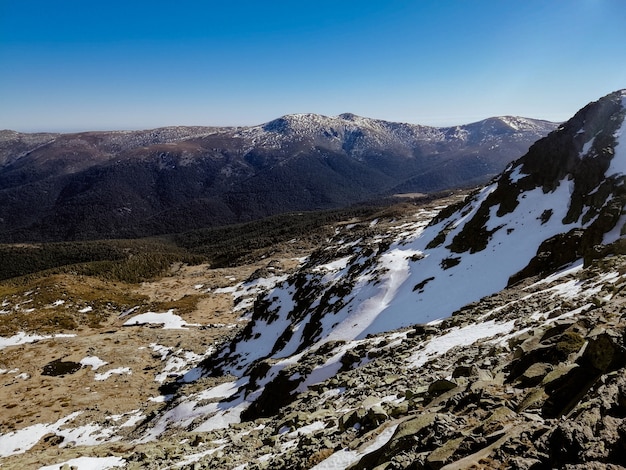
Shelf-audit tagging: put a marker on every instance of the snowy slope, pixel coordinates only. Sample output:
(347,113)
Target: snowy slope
(566,193)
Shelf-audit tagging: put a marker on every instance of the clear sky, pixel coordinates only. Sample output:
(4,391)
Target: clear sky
(82,65)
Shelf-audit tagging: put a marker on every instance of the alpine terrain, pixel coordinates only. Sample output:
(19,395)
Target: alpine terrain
(482,330)
(94,185)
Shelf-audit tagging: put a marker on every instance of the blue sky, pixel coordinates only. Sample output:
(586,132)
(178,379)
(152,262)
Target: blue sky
(76,65)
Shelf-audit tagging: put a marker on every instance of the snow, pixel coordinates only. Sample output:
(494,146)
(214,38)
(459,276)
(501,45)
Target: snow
(618,162)
(336,265)
(23,338)
(309,428)
(459,337)
(86,435)
(94,361)
(220,391)
(372,299)
(571,269)
(616,232)
(89,463)
(216,415)
(587,146)
(177,362)
(109,373)
(227,290)
(516,174)
(196,457)
(383,297)
(167,319)
(342,459)
(86,309)
(18,442)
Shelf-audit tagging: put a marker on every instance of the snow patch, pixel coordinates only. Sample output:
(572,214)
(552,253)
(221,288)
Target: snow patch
(167,319)
(23,338)
(459,337)
(89,463)
(94,361)
(109,373)
(18,442)
(344,458)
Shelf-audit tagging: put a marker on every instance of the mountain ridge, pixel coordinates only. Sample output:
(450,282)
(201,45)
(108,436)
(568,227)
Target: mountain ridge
(183,178)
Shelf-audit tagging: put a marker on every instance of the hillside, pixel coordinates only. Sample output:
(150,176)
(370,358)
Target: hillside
(481,330)
(94,185)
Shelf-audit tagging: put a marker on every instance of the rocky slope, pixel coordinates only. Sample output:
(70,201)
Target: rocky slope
(484,331)
(128,184)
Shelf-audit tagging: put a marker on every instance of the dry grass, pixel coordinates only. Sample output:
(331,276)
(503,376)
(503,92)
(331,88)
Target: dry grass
(52,304)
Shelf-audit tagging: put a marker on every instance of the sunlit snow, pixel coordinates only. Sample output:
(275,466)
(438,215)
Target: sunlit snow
(167,319)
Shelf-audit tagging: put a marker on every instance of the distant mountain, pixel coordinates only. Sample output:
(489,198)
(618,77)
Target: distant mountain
(136,183)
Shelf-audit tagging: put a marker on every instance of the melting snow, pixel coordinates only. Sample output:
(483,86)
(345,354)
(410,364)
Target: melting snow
(18,442)
(618,162)
(93,361)
(23,338)
(89,463)
(459,337)
(344,458)
(167,319)
(109,373)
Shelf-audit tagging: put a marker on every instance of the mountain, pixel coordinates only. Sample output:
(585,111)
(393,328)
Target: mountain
(95,185)
(483,330)
(557,204)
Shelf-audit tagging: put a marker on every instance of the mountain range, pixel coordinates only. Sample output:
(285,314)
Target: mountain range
(95,185)
(482,330)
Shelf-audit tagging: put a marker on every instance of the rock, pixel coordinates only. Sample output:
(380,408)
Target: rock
(534,400)
(604,354)
(463,371)
(351,418)
(398,409)
(440,386)
(403,438)
(443,454)
(601,355)
(557,372)
(391,378)
(534,374)
(497,420)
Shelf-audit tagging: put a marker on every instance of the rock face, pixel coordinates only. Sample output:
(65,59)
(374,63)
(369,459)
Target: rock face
(128,184)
